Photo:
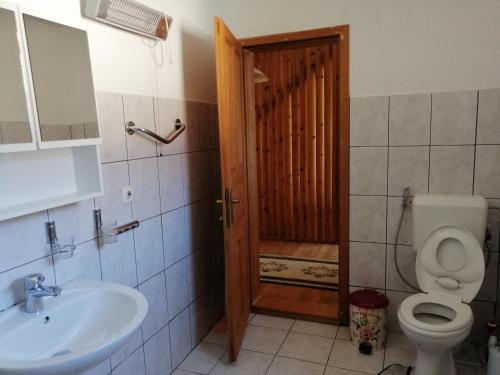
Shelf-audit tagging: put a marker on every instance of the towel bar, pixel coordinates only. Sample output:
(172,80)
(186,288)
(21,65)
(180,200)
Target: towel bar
(179,128)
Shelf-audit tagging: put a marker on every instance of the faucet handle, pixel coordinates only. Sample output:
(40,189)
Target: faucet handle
(33,280)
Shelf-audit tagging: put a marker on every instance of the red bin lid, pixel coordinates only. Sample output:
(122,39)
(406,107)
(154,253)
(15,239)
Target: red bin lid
(368,299)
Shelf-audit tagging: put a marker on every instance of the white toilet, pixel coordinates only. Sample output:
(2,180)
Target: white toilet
(448,233)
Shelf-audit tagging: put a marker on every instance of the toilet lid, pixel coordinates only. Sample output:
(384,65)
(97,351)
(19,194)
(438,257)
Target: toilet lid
(450,261)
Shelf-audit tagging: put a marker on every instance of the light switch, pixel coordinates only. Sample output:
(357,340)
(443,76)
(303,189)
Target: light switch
(127,194)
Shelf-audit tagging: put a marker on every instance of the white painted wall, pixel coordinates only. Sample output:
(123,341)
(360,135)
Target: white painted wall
(397,46)
(124,62)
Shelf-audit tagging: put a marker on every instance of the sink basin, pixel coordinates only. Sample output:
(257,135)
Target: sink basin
(87,323)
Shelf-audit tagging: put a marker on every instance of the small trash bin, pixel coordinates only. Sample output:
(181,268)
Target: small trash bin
(368,315)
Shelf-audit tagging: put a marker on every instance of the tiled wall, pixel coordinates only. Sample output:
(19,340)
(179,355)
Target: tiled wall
(175,256)
(445,142)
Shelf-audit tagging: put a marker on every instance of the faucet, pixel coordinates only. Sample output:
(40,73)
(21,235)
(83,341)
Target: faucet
(34,291)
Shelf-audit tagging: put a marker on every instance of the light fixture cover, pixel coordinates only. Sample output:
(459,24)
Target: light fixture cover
(129,15)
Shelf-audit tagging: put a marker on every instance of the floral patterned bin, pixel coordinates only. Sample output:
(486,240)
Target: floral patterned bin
(368,315)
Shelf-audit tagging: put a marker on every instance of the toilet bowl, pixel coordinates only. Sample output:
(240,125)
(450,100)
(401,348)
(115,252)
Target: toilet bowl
(447,236)
(434,323)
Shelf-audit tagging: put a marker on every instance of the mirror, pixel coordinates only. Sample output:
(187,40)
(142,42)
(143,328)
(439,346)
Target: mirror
(14,119)
(62,80)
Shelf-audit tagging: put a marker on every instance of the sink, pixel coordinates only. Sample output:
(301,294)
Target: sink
(87,323)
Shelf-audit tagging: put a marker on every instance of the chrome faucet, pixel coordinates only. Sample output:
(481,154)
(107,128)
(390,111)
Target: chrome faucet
(34,292)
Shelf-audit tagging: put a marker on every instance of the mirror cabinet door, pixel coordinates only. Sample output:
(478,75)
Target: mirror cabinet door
(14,118)
(62,80)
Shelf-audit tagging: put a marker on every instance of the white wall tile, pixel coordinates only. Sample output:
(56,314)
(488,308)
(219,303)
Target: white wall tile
(84,264)
(171,182)
(488,117)
(115,176)
(206,124)
(149,248)
(139,109)
(133,365)
(409,120)
(11,282)
(367,264)
(487,172)
(198,273)
(180,337)
(190,139)
(204,315)
(451,170)
(367,218)
(406,261)
(177,288)
(174,236)
(193,176)
(368,170)
(74,220)
(118,261)
(16,247)
(157,352)
(395,299)
(132,344)
(369,121)
(156,293)
(394,207)
(196,226)
(408,167)
(144,182)
(454,118)
(166,112)
(112,123)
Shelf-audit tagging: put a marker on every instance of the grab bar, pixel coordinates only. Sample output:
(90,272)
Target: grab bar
(179,128)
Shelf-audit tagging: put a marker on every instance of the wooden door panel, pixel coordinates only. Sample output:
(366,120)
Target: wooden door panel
(230,95)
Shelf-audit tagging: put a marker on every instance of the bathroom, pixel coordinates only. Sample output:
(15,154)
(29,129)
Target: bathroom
(418,107)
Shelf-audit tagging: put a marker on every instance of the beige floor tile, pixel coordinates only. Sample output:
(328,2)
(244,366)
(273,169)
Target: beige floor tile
(203,358)
(399,341)
(249,363)
(216,338)
(345,355)
(312,328)
(341,371)
(306,347)
(289,366)
(343,333)
(403,357)
(271,322)
(262,339)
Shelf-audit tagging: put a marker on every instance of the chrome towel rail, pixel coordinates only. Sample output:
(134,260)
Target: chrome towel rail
(179,128)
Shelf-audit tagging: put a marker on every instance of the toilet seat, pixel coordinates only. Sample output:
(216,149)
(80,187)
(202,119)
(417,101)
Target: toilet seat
(462,312)
(450,261)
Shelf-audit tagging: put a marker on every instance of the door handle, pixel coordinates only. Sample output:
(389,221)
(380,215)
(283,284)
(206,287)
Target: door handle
(235,201)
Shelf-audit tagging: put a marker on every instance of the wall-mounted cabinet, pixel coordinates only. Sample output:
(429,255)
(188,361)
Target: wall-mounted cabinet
(49,129)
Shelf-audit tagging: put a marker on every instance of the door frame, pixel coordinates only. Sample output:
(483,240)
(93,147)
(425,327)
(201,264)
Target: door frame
(342,33)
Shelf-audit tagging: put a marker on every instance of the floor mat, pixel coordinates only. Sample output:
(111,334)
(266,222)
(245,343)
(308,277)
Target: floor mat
(299,271)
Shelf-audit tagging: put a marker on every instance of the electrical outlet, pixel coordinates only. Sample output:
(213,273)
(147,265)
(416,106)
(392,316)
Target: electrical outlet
(127,194)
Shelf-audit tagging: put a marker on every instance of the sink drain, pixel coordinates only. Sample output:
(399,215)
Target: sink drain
(60,353)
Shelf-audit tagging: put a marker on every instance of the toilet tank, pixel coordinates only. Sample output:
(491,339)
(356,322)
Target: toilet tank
(434,211)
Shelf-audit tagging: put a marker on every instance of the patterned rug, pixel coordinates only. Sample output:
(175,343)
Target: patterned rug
(299,271)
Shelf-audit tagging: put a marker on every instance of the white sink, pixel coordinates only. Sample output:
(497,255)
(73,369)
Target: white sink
(76,330)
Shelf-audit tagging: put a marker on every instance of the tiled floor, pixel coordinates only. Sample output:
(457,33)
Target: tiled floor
(278,346)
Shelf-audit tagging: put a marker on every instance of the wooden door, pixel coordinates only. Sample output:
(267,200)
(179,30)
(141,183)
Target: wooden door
(231,103)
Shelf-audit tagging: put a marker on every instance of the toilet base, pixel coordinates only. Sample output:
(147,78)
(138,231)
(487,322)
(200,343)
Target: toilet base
(432,362)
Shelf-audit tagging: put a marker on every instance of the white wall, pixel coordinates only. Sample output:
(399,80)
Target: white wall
(396,46)
(124,62)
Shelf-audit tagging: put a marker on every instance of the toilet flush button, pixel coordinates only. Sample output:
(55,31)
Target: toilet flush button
(449,283)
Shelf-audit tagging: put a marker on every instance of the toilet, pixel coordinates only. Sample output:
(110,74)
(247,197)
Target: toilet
(448,233)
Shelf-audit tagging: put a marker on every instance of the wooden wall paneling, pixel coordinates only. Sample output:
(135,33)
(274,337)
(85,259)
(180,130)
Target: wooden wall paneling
(320,143)
(329,131)
(295,144)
